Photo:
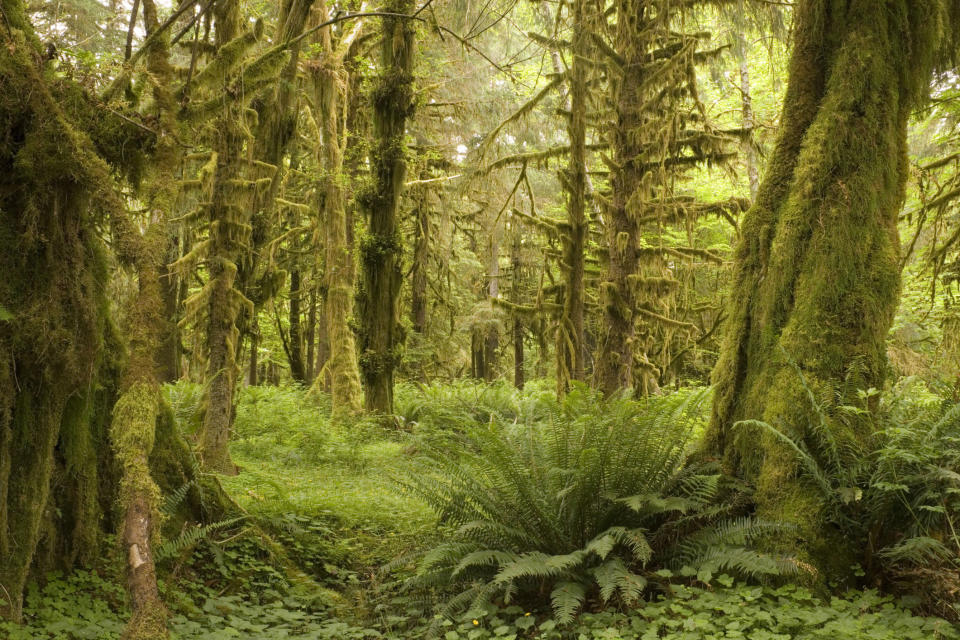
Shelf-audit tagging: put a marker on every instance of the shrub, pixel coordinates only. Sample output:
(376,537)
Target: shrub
(898,496)
(587,503)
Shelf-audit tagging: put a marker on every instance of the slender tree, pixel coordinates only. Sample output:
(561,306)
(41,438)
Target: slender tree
(392,102)
(330,83)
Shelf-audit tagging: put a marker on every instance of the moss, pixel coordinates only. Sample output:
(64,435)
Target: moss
(54,276)
(147,624)
(816,279)
(392,98)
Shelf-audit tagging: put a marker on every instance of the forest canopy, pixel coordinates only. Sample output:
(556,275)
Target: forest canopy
(501,319)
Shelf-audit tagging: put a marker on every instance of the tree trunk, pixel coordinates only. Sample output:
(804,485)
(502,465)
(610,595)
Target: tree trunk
(342,369)
(311,333)
(816,279)
(477,352)
(570,332)
(613,371)
(749,151)
(418,269)
(253,335)
(392,98)
(170,346)
(228,220)
(518,358)
(492,339)
(297,366)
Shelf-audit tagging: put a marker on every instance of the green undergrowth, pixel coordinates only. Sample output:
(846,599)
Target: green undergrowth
(327,543)
(86,606)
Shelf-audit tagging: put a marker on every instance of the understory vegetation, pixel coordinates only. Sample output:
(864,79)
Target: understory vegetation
(497,513)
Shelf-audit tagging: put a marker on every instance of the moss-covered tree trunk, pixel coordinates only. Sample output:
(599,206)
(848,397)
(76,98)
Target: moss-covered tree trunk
(570,361)
(229,235)
(133,430)
(330,81)
(392,101)
(614,365)
(57,346)
(491,342)
(518,331)
(816,278)
(298,368)
(421,255)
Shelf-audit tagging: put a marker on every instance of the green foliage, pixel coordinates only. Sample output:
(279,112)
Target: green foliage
(590,502)
(898,495)
(729,611)
(436,406)
(282,421)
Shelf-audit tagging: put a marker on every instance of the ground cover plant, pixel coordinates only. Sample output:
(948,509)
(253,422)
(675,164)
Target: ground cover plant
(528,531)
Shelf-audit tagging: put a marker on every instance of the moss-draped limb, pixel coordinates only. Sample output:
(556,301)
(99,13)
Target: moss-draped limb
(817,270)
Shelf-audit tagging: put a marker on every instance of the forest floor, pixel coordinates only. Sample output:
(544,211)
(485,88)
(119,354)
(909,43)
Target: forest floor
(327,518)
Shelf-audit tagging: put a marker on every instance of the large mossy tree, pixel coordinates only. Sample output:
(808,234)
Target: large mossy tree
(817,271)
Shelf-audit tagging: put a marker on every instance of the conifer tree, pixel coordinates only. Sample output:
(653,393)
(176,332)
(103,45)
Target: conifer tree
(392,103)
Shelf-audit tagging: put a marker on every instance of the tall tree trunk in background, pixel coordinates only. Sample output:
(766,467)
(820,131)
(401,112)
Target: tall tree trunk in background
(381,248)
(570,332)
(614,366)
(253,335)
(817,277)
(742,51)
(477,353)
(418,268)
(170,347)
(518,359)
(298,370)
(321,371)
(492,338)
(330,83)
(311,331)
(229,234)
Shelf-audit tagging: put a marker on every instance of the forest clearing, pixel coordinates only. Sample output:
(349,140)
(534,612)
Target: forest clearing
(558,319)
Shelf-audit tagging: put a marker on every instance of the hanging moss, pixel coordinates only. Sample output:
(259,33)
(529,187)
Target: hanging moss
(53,190)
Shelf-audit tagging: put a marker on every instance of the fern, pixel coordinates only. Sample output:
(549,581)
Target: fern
(193,535)
(589,499)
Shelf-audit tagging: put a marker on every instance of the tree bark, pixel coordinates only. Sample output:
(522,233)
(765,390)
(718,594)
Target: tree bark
(297,366)
(342,370)
(570,365)
(816,279)
(228,220)
(418,269)
(518,356)
(492,338)
(613,371)
(311,333)
(392,98)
